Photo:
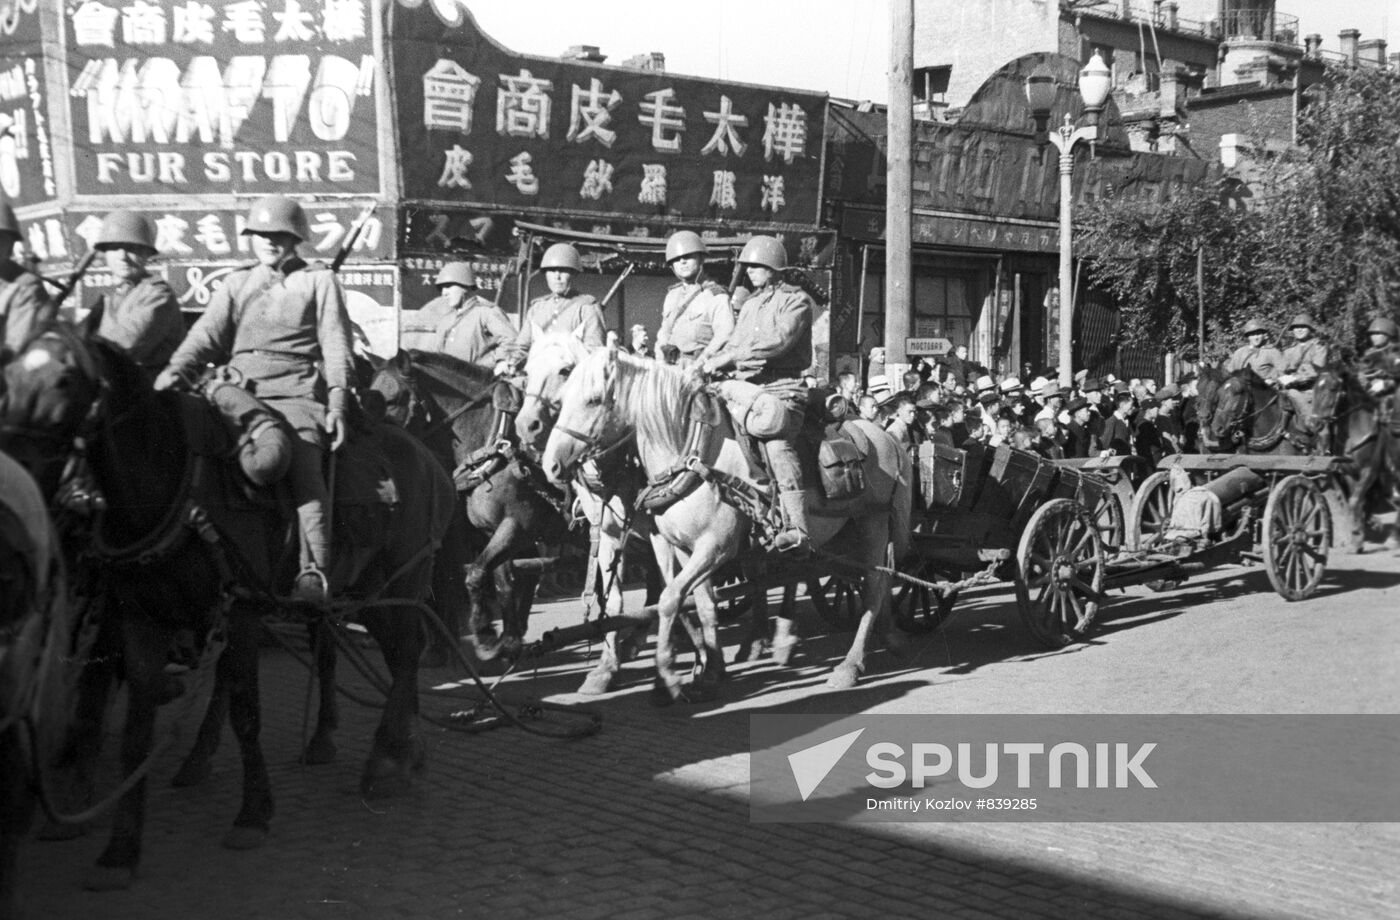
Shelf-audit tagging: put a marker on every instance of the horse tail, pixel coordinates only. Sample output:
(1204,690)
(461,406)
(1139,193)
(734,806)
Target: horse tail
(902,505)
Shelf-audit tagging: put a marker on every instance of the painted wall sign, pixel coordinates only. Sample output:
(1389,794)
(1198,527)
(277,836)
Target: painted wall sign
(26,146)
(230,96)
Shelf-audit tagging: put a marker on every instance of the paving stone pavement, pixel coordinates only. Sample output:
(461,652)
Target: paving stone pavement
(649,819)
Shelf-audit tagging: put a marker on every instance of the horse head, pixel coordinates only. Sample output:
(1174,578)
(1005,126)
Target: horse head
(52,395)
(1234,403)
(588,419)
(403,405)
(1329,395)
(553,356)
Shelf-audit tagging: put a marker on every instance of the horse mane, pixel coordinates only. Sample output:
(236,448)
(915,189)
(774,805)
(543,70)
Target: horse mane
(655,395)
(569,343)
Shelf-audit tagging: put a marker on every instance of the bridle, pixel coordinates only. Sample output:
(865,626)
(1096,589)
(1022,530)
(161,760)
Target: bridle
(593,449)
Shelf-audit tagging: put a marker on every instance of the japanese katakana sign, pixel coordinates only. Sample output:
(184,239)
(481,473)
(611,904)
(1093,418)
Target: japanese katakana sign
(26,146)
(487,127)
(232,96)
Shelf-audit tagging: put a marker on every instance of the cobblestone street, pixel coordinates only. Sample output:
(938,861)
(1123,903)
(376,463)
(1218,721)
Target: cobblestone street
(650,817)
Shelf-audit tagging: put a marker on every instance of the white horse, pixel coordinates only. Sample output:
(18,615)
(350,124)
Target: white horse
(611,397)
(553,357)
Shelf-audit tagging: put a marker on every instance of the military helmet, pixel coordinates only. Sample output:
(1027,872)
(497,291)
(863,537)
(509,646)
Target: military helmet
(1386,326)
(456,273)
(765,251)
(1254,326)
(126,228)
(1303,319)
(684,243)
(8,222)
(561,255)
(277,214)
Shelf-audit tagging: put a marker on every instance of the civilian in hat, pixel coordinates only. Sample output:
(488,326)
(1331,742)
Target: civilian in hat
(1052,400)
(1093,390)
(1147,440)
(1302,362)
(875,368)
(1117,440)
(1264,359)
(1169,419)
(879,386)
(1190,424)
(976,422)
(985,385)
(1079,441)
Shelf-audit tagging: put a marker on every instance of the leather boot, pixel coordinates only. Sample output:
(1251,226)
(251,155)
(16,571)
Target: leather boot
(795,539)
(312,585)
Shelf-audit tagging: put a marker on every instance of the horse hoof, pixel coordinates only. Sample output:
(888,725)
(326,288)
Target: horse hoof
(511,647)
(702,691)
(783,649)
(244,838)
(663,694)
(844,677)
(629,649)
(319,751)
(598,682)
(384,777)
(191,773)
(485,646)
(109,878)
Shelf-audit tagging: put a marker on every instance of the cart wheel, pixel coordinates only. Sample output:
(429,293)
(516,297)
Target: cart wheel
(1060,573)
(1108,515)
(917,609)
(837,601)
(1297,534)
(1152,509)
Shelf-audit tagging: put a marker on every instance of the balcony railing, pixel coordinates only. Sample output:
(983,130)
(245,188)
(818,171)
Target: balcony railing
(1261,24)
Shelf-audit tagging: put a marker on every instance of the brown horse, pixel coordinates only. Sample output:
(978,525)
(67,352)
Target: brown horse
(1354,423)
(34,629)
(1242,413)
(448,403)
(181,539)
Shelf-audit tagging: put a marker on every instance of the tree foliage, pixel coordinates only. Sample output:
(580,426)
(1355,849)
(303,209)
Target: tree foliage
(1319,231)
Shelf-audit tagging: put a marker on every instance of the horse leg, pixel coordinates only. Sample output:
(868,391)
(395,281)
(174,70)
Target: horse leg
(875,597)
(238,668)
(784,634)
(709,656)
(76,764)
(604,675)
(320,748)
(449,596)
(397,750)
(144,647)
(483,636)
(197,764)
(702,561)
(17,806)
(518,592)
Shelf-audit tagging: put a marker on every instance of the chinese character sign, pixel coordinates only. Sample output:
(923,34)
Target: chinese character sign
(488,127)
(232,96)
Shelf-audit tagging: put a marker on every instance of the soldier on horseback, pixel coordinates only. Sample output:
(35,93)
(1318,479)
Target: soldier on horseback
(770,349)
(561,310)
(1302,361)
(696,316)
(140,314)
(458,322)
(1380,365)
(1264,359)
(282,325)
(25,306)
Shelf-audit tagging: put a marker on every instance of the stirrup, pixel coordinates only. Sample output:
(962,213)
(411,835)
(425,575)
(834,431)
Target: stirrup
(311,586)
(792,543)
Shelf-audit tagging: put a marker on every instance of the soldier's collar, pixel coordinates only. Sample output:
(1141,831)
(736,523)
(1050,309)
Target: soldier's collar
(291,264)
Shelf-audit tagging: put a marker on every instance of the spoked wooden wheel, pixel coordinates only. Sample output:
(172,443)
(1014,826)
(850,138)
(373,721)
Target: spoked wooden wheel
(917,608)
(1060,573)
(1297,532)
(837,600)
(1152,510)
(1108,515)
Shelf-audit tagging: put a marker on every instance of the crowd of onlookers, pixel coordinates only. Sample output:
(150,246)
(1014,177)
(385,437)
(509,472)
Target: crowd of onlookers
(949,400)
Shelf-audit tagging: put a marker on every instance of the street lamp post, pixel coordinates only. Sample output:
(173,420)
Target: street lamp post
(1095,80)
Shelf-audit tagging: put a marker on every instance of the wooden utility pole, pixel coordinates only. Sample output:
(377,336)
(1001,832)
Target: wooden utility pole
(899,189)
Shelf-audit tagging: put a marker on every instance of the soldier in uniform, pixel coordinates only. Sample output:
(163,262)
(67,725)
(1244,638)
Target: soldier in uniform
(1265,359)
(770,349)
(458,322)
(25,307)
(1302,361)
(1380,365)
(696,316)
(283,326)
(140,314)
(561,310)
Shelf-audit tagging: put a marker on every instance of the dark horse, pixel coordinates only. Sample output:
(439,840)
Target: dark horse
(448,404)
(180,539)
(1241,413)
(1357,425)
(34,629)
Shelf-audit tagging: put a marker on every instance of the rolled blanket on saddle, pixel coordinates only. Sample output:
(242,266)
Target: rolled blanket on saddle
(1200,511)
